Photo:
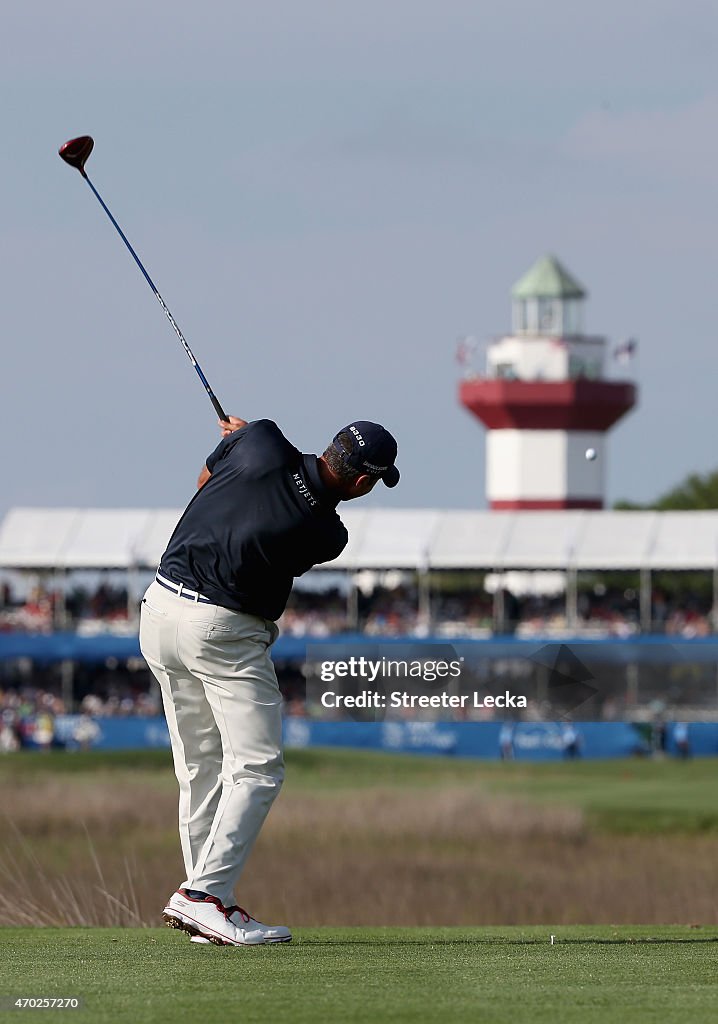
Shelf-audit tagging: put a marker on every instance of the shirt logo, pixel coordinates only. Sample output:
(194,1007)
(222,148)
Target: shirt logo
(304,490)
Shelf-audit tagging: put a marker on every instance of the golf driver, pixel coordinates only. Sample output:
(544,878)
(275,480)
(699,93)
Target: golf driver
(75,153)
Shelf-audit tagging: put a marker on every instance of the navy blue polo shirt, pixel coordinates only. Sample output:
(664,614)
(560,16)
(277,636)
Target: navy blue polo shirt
(263,517)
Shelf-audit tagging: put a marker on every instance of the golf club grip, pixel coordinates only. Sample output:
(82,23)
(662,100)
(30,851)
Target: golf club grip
(175,326)
(217,407)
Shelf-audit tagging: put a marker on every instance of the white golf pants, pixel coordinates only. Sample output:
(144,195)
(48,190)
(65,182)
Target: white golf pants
(223,709)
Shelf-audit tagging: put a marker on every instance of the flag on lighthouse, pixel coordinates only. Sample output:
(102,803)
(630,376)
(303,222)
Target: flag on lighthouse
(465,349)
(625,352)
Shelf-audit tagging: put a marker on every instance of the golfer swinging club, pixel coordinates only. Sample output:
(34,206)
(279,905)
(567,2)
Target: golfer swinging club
(263,514)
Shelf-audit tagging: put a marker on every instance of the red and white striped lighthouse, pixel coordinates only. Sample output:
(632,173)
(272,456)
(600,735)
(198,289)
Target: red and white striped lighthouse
(544,399)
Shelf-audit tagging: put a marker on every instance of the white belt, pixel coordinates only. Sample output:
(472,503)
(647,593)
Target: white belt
(181,590)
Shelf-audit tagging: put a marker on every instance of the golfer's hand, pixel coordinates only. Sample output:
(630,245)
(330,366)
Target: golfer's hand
(231,424)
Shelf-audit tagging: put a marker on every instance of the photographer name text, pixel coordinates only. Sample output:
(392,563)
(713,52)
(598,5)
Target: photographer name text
(401,699)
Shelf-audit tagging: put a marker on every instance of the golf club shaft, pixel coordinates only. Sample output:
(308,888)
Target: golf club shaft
(212,397)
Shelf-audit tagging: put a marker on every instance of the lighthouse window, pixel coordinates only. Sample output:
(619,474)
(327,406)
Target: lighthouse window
(507,371)
(549,315)
(521,319)
(576,368)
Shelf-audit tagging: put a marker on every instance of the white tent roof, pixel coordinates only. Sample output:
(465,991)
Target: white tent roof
(683,540)
(32,538)
(397,539)
(92,538)
(542,540)
(616,540)
(473,540)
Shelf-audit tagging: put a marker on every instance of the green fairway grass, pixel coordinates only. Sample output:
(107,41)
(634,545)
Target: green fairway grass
(626,796)
(359,976)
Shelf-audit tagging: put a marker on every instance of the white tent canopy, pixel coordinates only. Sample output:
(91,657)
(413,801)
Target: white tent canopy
(34,538)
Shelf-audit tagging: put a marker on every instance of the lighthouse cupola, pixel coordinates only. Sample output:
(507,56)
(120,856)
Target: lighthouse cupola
(548,300)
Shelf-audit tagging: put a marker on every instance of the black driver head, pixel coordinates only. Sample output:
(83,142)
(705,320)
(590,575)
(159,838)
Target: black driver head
(76,151)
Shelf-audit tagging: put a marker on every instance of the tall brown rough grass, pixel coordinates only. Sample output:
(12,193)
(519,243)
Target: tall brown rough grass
(104,851)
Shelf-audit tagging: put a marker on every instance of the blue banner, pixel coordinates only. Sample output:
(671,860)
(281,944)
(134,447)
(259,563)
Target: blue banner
(521,741)
(656,650)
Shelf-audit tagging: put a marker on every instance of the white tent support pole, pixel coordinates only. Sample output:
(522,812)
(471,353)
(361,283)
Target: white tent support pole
(632,685)
(133,609)
(424,597)
(352,604)
(61,577)
(572,597)
(67,682)
(645,600)
(499,609)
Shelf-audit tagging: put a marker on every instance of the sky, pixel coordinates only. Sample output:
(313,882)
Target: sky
(328,195)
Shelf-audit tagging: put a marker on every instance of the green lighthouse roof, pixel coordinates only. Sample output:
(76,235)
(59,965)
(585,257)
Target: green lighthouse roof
(547,279)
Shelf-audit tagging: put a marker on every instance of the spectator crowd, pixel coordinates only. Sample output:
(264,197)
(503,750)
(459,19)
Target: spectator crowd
(33,696)
(602,611)
(28,715)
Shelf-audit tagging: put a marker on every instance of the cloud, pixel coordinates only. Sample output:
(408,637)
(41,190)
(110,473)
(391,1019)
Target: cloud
(680,144)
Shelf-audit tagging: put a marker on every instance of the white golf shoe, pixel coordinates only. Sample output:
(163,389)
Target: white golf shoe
(272,933)
(247,924)
(208,918)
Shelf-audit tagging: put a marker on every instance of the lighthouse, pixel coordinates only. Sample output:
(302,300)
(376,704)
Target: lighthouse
(544,399)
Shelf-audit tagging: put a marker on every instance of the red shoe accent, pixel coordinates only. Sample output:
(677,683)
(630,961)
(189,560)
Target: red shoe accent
(210,899)
(245,916)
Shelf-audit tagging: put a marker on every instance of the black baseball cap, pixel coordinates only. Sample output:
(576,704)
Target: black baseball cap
(373,450)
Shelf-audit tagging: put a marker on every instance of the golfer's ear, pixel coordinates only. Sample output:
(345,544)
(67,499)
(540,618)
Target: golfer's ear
(363,483)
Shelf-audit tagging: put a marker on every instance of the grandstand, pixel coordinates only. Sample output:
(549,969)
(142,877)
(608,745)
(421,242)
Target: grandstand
(420,575)
(54,543)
